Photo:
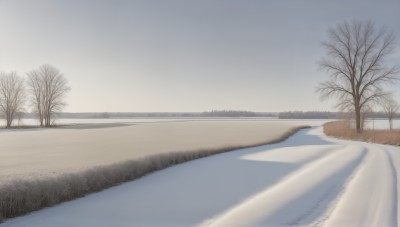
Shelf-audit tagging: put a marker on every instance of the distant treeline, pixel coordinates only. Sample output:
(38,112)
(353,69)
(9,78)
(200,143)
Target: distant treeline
(213,113)
(309,115)
(325,115)
(235,113)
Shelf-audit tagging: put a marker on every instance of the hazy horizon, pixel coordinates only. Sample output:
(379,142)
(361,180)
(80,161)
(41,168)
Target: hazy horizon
(183,56)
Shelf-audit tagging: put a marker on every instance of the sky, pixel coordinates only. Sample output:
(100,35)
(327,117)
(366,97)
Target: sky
(183,55)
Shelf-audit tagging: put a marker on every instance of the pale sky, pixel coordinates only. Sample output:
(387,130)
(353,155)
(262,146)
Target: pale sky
(184,56)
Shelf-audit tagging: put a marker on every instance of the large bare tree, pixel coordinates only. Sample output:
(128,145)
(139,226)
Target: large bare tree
(390,106)
(12,96)
(356,55)
(47,87)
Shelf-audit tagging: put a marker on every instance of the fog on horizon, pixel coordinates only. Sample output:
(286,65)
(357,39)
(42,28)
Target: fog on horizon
(183,56)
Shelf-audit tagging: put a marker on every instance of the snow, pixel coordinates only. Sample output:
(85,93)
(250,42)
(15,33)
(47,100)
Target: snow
(26,153)
(308,180)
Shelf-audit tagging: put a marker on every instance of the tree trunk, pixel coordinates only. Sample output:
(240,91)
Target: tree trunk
(8,120)
(41,120)
(358,120)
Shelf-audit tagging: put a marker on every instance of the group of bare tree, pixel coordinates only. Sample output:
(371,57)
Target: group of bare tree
(356,55)
(44,91)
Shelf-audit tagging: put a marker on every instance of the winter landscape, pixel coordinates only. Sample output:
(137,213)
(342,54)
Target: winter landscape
(199,113)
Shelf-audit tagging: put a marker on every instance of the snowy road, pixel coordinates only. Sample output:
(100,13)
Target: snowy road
(308,180)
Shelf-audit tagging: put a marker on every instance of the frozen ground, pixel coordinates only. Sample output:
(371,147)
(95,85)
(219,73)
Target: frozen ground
(308,180)
(36,152)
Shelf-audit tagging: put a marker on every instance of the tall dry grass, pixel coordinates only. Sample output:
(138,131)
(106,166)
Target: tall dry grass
(343,130)
(24,196)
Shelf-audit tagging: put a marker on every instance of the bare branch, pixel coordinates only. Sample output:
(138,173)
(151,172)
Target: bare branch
(12,96)
(48,88)
(356,54)
(391,107)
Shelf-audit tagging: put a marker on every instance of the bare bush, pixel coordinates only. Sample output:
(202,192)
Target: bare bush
(356,53)
(47,88)
(12,96)
(390,106)
(24,196)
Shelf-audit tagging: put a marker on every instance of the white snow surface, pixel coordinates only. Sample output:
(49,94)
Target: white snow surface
(308,180)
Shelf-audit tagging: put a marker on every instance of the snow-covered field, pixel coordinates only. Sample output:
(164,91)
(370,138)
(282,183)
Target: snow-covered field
(67,121)
(308,180)
(376,123)
(26,153)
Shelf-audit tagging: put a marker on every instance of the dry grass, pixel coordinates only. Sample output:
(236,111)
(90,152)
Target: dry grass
(24,196)
(342,130)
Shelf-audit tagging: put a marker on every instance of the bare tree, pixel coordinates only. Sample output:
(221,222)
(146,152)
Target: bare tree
(390,106)
(12,96)
(36,94)
(356,53)
(366,112)
(47,87)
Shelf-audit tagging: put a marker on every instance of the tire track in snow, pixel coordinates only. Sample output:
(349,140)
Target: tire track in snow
(329,198)
(394,153)
(280,204)
(320,221)
(368,198)
(330,205)
(395,194)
